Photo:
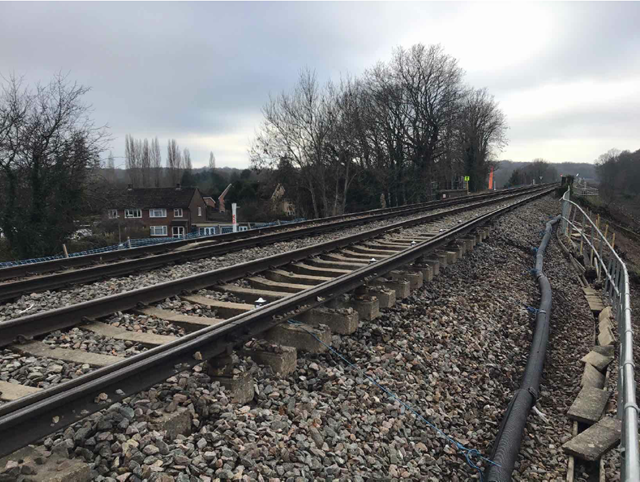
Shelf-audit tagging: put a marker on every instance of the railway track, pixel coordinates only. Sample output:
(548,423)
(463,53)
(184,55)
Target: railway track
(291,284)
(36,277)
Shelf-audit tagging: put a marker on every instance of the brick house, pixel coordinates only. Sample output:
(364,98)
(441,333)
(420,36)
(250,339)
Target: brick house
(164,211)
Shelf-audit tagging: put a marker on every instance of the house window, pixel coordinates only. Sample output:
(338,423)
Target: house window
(199,211)
(113,214)
(133,213)
(158,213)
(158,230)
(177,213)
(177,231)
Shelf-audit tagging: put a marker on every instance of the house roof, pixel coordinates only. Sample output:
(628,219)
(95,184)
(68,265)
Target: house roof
(155,197)
(209,201)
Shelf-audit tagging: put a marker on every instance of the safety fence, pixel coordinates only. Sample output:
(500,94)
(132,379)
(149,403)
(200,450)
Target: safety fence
(136,243)
(610,268)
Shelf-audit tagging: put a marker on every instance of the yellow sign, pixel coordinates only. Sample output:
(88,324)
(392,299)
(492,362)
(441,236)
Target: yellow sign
(466,178)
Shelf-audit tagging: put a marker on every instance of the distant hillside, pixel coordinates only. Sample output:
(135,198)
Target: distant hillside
(505,168)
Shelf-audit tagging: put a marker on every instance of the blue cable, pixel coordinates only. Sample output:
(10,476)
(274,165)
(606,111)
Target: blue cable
(468,453)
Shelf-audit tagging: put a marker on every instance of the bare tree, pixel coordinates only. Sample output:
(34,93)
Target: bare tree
(174,161)
(212,161)
(49,147)
(187,160)
(145,164)
(156,162)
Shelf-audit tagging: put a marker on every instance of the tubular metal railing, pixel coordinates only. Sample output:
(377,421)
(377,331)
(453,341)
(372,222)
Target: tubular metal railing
(610,267)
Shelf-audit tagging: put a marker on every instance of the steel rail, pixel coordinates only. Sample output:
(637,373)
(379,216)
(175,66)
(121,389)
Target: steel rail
(32,417)
(48,321)
(15,289)
(112,256)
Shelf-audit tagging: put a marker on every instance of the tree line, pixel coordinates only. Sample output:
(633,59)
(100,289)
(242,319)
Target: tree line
(538,171)
(619,174)
(143,162)
(393,135)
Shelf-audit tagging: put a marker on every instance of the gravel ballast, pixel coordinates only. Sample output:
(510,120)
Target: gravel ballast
(38,302)
(455,350)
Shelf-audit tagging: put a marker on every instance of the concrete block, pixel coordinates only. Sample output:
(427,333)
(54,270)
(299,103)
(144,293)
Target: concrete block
(240,387)
(415,278)
(302,339)
(452,257)
(426,270)
(591,377)
(460,247)
(589,405)
(368,308)
(281,359)
(606,350)
(594,442)
(442,258)
(605,314)
(471,240)
(341,321)
(30,464)
(605,325)
(386,297)
(435,265)
(601,362)
(606,337)
(400,287)
(13,391)
(174,423)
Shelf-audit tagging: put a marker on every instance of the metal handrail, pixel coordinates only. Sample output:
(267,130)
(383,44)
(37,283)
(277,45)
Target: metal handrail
(618,290)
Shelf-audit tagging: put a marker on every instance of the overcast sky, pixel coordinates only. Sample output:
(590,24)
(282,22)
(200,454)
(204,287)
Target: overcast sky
(567,75)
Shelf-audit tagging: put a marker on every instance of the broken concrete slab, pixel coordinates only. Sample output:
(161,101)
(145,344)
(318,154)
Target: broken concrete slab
(594,442)
(591,377)
(605,325)
(606,350)
(606,337)
(605,314)
(598,360)
(589,405)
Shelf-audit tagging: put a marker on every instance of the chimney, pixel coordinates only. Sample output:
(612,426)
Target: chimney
(177,186)
(130,187)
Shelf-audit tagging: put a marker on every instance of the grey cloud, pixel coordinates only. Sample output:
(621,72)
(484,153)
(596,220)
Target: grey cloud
(205,69)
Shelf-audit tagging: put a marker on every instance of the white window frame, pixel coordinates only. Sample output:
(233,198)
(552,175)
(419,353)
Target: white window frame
(173,234)
(131,213)
(152,230)
(153,213)
(111,214)
(178,213)
(199,210)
